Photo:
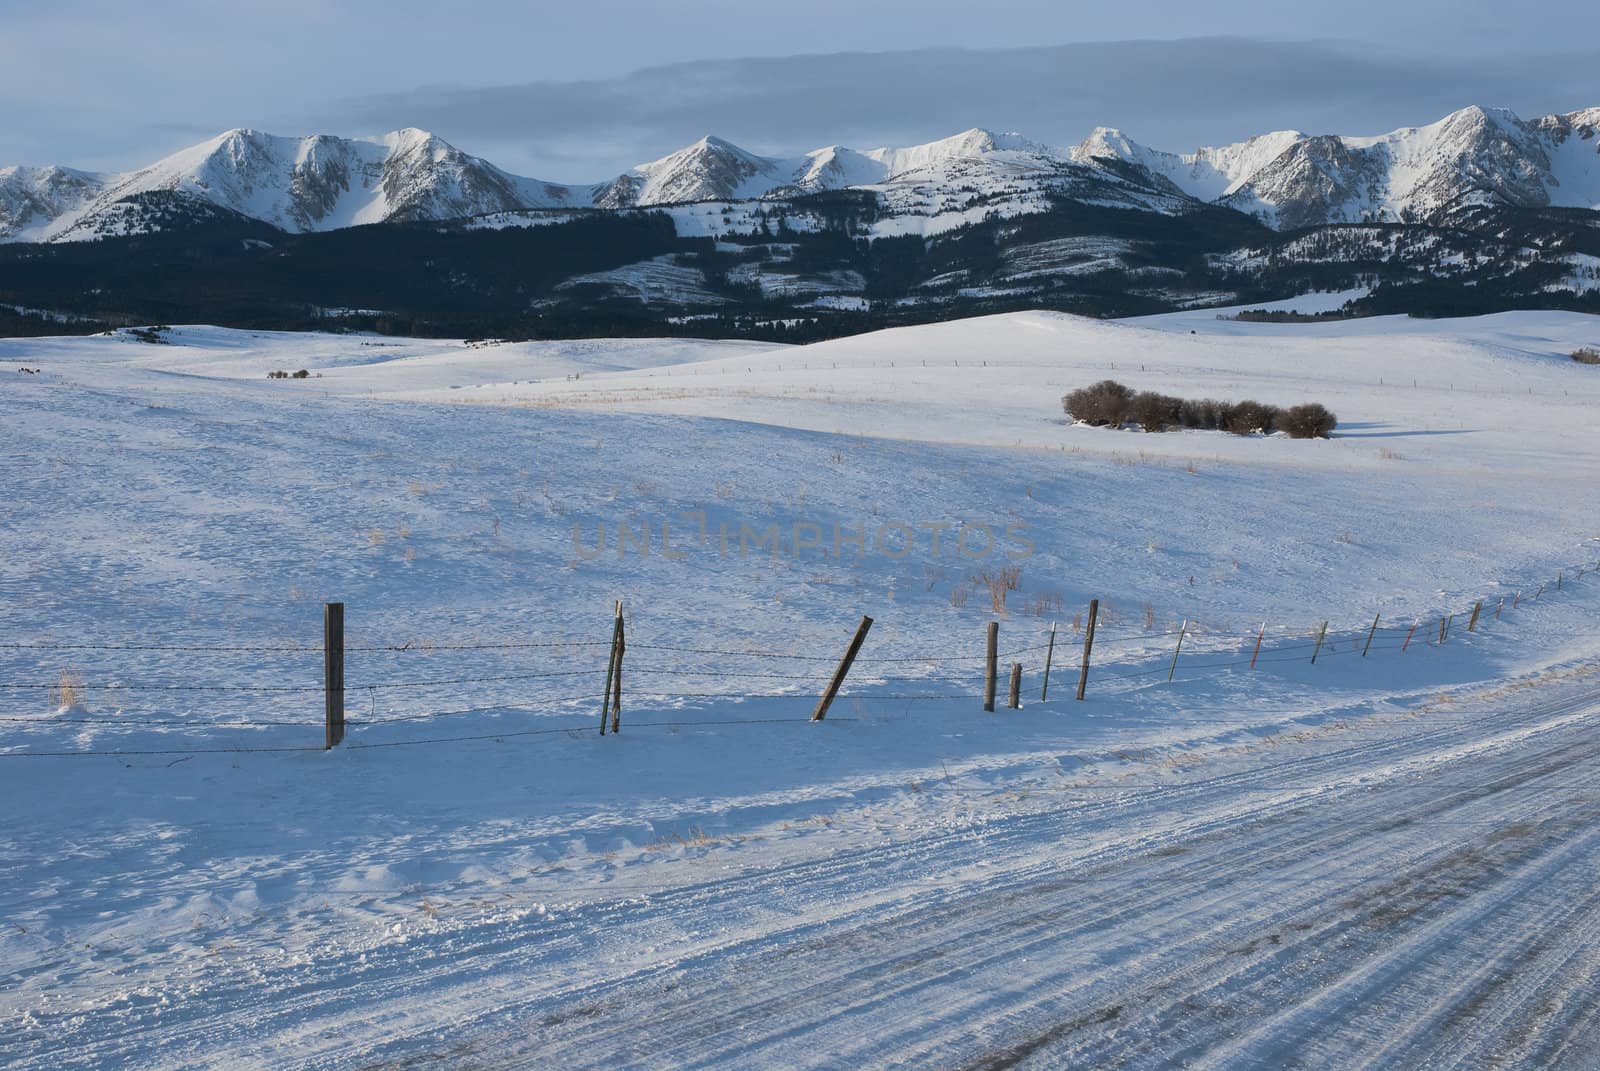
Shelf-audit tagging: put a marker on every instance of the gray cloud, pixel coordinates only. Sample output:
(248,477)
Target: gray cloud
(1171,94)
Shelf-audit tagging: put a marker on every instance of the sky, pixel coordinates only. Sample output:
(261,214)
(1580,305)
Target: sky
(578,92)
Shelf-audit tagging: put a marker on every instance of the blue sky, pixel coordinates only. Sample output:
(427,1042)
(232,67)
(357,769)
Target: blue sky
(576,92)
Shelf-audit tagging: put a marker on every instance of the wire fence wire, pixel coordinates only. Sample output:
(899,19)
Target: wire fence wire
(948,678)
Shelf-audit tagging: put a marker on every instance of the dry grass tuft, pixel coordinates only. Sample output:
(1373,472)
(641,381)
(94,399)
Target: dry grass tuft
(696,838)
(68,691)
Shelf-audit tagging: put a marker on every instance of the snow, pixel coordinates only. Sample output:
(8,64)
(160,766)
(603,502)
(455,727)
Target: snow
(1381,859)
(1207,174)
(657,279)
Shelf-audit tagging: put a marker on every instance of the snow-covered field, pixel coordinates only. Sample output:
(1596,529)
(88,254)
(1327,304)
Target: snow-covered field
(1382,860)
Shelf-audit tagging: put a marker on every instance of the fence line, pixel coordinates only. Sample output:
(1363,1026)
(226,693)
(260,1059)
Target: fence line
(1203,659)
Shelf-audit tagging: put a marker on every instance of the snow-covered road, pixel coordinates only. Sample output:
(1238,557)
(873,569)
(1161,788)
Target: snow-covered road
(1425,897)
(1401,890)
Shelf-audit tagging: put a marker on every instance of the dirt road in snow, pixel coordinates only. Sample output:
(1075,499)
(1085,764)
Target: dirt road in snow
(1417,894)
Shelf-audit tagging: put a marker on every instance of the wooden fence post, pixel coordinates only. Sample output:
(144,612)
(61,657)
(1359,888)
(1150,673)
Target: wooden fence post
(621,642)
(1088,646)
(1498,608)
(1256,653)
(991,653)
(1015,702)
(844,667)
(1413,631)
(333,673)
(1174,667)
(1558,581)
(1049,653)
(1472,625)
(1371,634)
(611,669)
(1318,648)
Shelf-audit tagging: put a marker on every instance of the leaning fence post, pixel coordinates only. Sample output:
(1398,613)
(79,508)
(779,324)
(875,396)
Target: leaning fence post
(611,669)
(1318,648)
(1371,634)
(1049,653)
(333,673)
(991,653)
(844,668)
(1259,636)
(1015,699)
(621,643)
(1413,631)
(1174,667)
(1088,646)
(1472,625)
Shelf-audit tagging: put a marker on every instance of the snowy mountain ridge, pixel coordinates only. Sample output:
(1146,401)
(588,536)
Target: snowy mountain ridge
(1293,180)
(1286,178)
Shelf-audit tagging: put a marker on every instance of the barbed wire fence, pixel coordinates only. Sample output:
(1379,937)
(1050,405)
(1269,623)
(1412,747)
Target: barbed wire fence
(1115,658)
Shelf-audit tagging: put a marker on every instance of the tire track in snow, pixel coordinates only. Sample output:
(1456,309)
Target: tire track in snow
(591,1044)
(483,981)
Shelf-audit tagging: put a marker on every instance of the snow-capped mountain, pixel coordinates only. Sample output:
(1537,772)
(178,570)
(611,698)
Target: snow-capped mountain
(709,170)
(1206,174)
(716,170)
(306,184)
(322,182)
(1286,178)
(31,197)
(1294,180)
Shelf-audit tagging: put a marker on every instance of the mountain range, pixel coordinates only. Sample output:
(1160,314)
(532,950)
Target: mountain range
(1286,179)
(405,233)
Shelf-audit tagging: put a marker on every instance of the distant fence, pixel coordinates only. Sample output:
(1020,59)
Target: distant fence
(1136,661)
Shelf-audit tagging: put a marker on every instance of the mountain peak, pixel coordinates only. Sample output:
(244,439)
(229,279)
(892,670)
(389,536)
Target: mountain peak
(323,182)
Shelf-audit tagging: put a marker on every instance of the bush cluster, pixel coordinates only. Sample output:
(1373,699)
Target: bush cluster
(280,374)
(1586,355)
(1110,404)
(1104,403)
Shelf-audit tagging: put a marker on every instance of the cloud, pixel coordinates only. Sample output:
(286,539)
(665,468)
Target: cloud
(1172,94)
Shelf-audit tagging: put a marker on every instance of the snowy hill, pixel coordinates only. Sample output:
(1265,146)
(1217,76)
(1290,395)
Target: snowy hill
(1333,857)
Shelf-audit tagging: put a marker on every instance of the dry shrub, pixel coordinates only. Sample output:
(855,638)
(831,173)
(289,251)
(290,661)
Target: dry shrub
(1154,412)
(1105,403)
(1249,417)
(1586,355)
(1309,421)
